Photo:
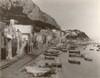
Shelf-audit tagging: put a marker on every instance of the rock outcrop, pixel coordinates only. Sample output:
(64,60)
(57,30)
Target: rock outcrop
(76,35)
(25,11)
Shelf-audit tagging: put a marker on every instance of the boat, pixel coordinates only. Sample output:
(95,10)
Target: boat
(98,45)
(74,51)
(38,72)
(88,59)
(59,65)
(52,65)
(98,49)
(91,49)
(50,54)
(71,48)
(76,55)
(74,62)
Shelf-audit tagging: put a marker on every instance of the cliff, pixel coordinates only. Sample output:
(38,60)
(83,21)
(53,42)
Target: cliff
(25,11)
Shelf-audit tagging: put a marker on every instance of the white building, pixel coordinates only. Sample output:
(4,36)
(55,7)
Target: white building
(26,30)
(23,34)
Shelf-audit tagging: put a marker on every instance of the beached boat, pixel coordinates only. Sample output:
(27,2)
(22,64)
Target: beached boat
(76,55)
(74,62)
(74,51)
(52,51)
(91,49)
(88,59)
(51,54)
(98,45)
(52,65)
(49,58)
(59,65)
(71,48)
(38,72)
(98,49)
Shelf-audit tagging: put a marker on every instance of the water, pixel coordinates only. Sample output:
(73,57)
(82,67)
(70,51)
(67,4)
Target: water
(87,69)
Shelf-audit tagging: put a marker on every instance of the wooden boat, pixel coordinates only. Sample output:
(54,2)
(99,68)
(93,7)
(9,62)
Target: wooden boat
(50,54)
(76,55)
(38,72)
(71,48)
(91,49)
(98,49)
(59,65)
(88,59)
(74,62)
(74,51)
(98,45)
(52,65)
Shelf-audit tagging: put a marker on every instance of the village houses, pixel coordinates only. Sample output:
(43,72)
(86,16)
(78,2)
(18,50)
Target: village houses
(21,40)
(22,35)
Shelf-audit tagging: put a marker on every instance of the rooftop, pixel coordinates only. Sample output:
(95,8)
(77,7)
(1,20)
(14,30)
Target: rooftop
(23,28)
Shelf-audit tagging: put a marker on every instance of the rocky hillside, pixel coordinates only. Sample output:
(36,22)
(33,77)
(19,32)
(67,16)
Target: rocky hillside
(76,35)
(25,11)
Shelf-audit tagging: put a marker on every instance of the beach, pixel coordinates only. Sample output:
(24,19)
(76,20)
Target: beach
(87,69)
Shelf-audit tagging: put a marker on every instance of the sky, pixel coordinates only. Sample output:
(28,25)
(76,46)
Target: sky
(74,14)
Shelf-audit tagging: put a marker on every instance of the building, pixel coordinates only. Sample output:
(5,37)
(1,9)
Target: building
(26,31)
(9,34)
(18,39)
(2,45)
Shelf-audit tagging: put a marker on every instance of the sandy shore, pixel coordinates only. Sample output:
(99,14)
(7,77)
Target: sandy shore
(87,69)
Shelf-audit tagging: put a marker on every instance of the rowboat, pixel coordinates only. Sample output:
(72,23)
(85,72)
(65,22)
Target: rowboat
(74,51)
(74,62)
(88,59)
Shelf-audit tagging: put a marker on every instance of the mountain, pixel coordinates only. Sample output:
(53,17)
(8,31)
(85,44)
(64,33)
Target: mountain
(25,11)
(76,35)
